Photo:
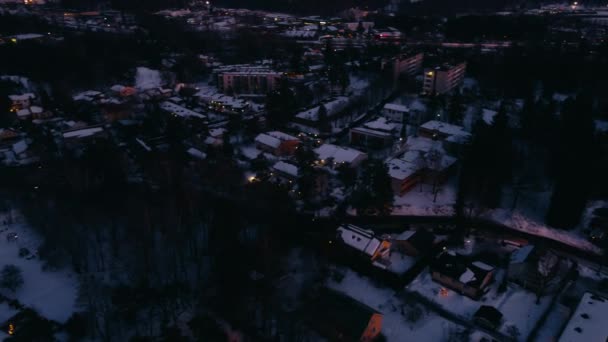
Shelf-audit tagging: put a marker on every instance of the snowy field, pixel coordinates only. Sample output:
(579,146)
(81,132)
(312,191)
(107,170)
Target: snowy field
(395,326)
(52,294)
(516,304)
(420,203)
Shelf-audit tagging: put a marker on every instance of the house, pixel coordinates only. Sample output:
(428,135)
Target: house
(458,273)
(524,267)
(177,110)
(414,242)
(424,160)
(33,112)
(443,131)
(488,317)
(588,322)
(286,170)
(340,155)
(277,143)
(396,112)
(375,134)
(404,174)
(341,318)
(21,101)
(7,134)
(364,241)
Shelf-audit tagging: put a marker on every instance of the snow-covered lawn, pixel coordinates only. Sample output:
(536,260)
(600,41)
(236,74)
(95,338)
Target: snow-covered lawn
(52,294)
(517,221)
(420,203)
(516,304)
(429,327)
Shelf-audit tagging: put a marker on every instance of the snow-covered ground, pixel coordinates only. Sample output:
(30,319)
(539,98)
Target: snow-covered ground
(52,294)
(516,304)
(517,221)
(420,203)
(395,326)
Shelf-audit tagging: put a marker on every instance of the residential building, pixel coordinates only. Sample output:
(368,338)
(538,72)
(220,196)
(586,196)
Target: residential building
(443,79)
(339,155)
(404,64)
(588,322)
(396,112)
(364,241)
(247,79)
(21,101)
(457,272)
(286,171)
(341,318)
(277,143)
(375,134)
(424,160)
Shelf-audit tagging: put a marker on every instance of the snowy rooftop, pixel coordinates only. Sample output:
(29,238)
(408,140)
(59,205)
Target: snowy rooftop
(445,128)
(401,169)
(381,124)
(338,153)
(422,144)
(360,239)
(268,140)
(179,110)
(396,107)
(332,108)
(287,168)
(82,133)
(521,254)
(588,323)
(22,97)
(281,136)
(488,115)
(196,153)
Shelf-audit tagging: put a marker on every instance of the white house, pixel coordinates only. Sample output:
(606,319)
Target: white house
(340,155)
(364,241)
(396,112)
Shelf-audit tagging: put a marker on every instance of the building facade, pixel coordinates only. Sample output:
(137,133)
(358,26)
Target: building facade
(443,79)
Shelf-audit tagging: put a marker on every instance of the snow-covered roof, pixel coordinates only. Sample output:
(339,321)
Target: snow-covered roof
(400,169)
(196,153)
(361,239)
(281,136)
(82,133)
(36,109)
(488,115)
(482,265)
(467,276)
(179,110)
(381,124)
(22,97)
(445,128)
(23,112)
(147,78)
(117,88)
(521,254)
(338,153)
(217,132)
(26,36)
(405,235)
(332,107)
(396,107)
(19,147)
(268,140)
(422,144)
(287,168)
(588,323)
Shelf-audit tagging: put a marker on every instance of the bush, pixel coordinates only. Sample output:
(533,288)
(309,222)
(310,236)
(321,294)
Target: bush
(11,278)
(23,252)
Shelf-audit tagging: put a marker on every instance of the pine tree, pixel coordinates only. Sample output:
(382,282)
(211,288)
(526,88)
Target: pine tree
(456,109)
(324,123)
(373,190)
(574,163)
